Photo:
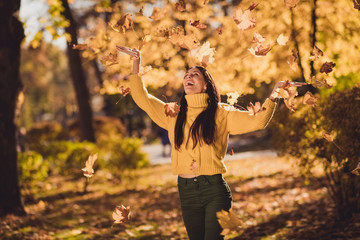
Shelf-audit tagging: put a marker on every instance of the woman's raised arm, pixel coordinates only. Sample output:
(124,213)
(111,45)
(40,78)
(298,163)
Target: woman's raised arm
(153,106)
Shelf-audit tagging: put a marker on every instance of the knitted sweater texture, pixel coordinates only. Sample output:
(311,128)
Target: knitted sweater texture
(208,159)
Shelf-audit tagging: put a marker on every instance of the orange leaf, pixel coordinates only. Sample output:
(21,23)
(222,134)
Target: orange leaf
(316,54)
(121,214)
(125,23)
(158,13)
(327,67)
(172,109)
(243,20)
(185,41)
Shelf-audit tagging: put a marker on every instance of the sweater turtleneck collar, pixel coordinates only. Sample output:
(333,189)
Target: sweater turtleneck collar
(197,100)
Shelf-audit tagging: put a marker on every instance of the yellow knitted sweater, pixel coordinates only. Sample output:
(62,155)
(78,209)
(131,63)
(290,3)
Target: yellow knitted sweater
(208,158)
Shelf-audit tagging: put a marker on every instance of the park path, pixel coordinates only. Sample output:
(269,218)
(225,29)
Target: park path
(155,154)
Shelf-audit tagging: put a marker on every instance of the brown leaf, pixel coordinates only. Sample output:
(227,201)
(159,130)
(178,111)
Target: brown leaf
(219,30)
(124,91)
(327,67)
(288,92)
(328,136)
(231,151)
(293,60)
(260,50)
(109,59)
(197,24)
(318,83)
(254,109)
(88,171)
(291,3)
(356,171)
(252,6)
(158,13)
(121,214)
(243,20)
(258,38)
(356,4)
(172,109)
(310,99)
(185,41)
(180,6)
(316,54)
(80,46)
(125,23)
(204,54)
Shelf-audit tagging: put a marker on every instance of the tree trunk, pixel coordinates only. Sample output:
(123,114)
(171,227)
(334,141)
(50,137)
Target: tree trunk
(313,32)
(79,80)
(293,36)
(11,35)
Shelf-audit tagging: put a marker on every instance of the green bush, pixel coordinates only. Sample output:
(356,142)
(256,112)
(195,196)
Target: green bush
(32,168)
(123,153)
(301,135)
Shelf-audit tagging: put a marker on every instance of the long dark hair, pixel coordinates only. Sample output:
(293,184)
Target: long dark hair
(203,128)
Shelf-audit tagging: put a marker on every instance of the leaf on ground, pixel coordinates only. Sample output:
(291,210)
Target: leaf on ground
(125,23)
(81,46)
(243,20)
(356,171)
(318,82)
(282,40)
(254,109)
(171,109)
(197,24)
(204,55)
(121,214)
(180,6)
(158,13)
(291,3)
(310,99)
(316,54)
(327,67)
(259,50)
(228,221)
(88,171)
(232,97)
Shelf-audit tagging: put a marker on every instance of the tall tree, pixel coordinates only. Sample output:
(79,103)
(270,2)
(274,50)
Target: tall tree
(79,79)
(11,35)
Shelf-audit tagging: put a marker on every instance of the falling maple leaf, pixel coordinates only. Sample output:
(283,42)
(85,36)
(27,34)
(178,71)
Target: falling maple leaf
(81,46)
(316,54)
(293,60)
(243,20)
(158,13)
(180,6)
(252,6)
(144,40)
(291,3)
(172,109)
(204,54)
(228,221)
(259,50)
(197,24)
(124,91)
(125,23)
(282,40)
(109,59)
(193,167)
(310,99)
(88,171)
(121,214)
(232,97)
(356,171)
(258,38)
(219,30)
(185,41)
(318,83)
(327,67)
(356,4)
(288,92)
(254,109)
(231,151)
(328,136)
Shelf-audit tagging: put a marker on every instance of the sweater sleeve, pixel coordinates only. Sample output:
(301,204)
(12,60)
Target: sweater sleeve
(153,106)
(239,122)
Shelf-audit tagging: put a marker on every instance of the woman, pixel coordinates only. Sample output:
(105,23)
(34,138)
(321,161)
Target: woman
(199,138)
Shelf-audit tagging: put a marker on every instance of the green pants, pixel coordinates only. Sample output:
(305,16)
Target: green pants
(201,198)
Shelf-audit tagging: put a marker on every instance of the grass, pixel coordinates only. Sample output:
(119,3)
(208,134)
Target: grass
(270,198)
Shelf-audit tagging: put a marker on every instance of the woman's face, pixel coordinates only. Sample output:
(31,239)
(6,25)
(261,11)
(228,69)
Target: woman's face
(194,81)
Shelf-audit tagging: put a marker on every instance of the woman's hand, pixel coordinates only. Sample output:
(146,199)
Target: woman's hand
(279,85)
(134,55)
